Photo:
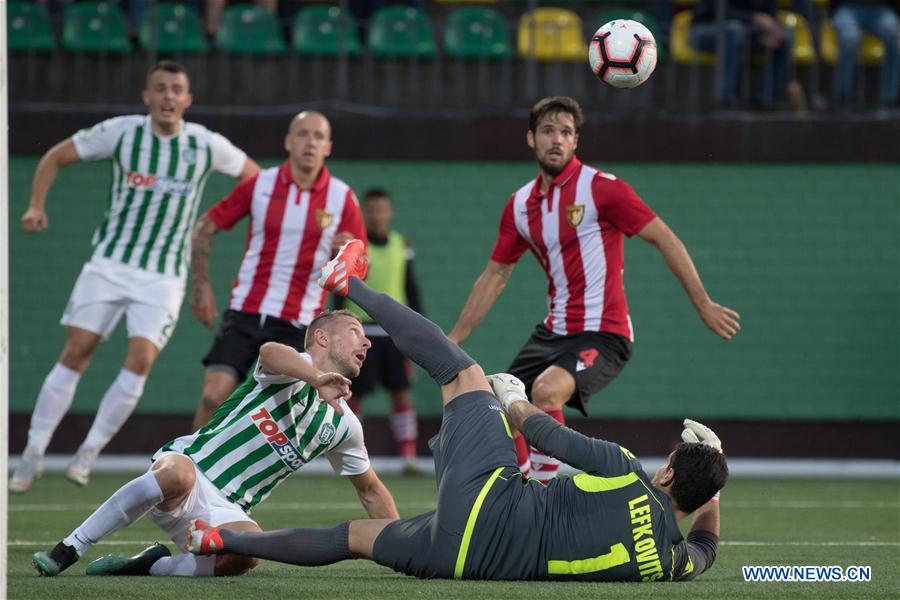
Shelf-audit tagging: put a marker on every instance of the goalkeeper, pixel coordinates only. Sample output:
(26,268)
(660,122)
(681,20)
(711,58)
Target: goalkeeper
(611,523)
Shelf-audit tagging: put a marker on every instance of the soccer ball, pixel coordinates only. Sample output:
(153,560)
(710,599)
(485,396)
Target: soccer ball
(622,53)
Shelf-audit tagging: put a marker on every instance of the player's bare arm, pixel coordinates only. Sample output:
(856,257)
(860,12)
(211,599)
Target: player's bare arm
(284,360)
(60,155)
(706,518)
(485,291)
(722,320)
(249,169)
(374,496)
(203,300)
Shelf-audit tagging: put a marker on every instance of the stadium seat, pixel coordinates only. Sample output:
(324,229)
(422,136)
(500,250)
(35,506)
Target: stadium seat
(401,31)
(804,52)
(28,28)
(633,15)
(248,29)
(680,42)
(551,34)
(871,50)
(325,31)
(95,27)
(473,32)
(173,28)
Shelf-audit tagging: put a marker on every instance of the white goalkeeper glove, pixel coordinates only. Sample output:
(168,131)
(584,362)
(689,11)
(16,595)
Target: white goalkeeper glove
(508,389)
(698,433)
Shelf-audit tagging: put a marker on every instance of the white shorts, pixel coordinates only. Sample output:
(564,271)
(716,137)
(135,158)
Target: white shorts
(107,289)
(205,501)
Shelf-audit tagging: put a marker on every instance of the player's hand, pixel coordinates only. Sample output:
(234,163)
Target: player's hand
(203,304)
(698,433)
(340,238)
(34,220)
(332,387)
(508,389)
(722,320)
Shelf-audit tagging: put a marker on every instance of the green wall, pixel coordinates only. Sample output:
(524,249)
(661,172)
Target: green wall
(809,255)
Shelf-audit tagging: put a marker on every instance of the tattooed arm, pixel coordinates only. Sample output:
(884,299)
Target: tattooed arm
(203,301)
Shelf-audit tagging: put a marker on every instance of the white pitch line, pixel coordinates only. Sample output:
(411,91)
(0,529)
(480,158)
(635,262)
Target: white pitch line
(723,543)
(804,504)
(266,507)
(757,543)
(771,504)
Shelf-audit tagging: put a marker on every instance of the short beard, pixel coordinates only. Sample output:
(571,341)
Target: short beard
(552,170)
(344,366)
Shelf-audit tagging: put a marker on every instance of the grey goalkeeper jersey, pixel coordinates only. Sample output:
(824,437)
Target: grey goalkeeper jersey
(606,524)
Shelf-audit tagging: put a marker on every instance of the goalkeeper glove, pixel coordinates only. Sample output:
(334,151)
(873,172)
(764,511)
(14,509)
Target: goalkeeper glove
(507,388)
(698,433)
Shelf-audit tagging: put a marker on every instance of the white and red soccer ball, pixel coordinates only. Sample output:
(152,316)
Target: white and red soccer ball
(622,53)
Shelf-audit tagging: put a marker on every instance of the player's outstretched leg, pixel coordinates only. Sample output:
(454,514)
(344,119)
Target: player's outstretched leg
(124,507)
(139,564)
(414,335)
(304,547)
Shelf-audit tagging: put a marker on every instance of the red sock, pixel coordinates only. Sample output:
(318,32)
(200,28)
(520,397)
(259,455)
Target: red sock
(522,454)
(543,467)
(406,431)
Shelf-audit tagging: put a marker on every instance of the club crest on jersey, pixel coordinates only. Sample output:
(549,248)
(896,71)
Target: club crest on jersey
(283,447)
(326,433)
(575,214)
(324,218)
(189,156)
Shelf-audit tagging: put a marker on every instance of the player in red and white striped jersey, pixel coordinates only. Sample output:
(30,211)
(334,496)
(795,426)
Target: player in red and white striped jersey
(299,215)
(573,218)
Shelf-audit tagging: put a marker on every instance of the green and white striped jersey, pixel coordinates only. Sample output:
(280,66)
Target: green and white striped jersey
(269,428)
(157,183)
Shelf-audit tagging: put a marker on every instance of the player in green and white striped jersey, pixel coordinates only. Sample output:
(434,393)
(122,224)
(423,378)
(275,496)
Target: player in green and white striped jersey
(160,165)
(291,410)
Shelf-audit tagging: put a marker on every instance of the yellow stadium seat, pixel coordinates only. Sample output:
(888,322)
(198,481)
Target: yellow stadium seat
(804,52)
(871,50)
(680,42)
(557,35)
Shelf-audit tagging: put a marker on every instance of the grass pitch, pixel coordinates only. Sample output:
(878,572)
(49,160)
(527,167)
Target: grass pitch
(764,522)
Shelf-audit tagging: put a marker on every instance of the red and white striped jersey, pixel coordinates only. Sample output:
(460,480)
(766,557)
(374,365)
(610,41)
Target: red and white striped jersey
(575,232)
(288,240)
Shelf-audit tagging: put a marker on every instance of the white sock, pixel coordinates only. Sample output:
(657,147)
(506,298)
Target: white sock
(123,508)
(53,402)
(185,565)
(115,408)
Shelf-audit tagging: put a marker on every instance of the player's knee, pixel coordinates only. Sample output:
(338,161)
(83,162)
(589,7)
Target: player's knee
(232,564)
(548,394)
(175,479)
(140,366)
(210,401)
(140,358)
(217,386)
(76,356)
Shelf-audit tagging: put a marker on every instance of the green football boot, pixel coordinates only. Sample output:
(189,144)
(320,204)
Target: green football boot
(139,564)
(54,561)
